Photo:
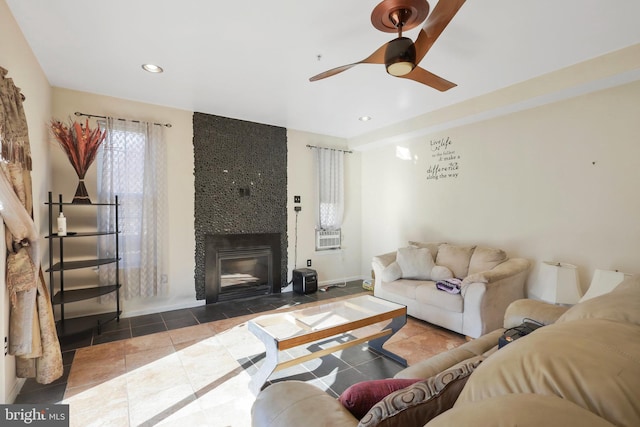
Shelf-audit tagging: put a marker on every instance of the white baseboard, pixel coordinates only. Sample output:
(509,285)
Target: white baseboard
(163,308)
(15,390)
(342,280)
(198,303)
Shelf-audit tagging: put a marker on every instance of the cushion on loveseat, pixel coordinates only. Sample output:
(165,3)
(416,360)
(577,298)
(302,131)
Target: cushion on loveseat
(420,402)
(522,410)
(391,272)
(432,246)
(416,264)
(360,397)
(485,258)
(429,294)
(455,258)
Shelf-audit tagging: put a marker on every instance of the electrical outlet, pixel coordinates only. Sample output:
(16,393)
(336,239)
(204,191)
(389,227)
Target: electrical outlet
(308,263)
(296,199)
(297,208)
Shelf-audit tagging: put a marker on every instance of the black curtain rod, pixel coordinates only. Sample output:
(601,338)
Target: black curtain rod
(332,149)
(77,113)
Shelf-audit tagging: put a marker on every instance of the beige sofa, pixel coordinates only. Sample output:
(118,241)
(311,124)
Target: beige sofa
(490,282)
(583,369)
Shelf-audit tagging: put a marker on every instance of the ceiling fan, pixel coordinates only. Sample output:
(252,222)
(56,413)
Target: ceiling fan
(401,55)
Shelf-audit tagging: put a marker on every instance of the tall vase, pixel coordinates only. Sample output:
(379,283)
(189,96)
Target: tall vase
(81,197)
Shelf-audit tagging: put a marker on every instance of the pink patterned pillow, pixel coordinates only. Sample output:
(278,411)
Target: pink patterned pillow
(360,397)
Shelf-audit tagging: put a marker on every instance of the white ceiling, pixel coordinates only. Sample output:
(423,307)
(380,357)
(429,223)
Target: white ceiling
(251,60)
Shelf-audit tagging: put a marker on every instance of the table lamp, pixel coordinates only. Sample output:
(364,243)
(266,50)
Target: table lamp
(560,283)
(603,282)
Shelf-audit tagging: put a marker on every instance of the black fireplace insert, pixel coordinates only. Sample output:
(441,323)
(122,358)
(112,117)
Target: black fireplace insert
(241,265)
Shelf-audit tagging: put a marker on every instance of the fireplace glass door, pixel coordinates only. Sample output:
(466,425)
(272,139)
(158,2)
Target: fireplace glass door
(244,272)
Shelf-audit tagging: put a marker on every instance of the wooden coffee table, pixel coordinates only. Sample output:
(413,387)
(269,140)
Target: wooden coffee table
(283,331)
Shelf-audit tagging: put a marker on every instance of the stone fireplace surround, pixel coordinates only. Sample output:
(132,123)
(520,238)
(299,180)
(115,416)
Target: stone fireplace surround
(240,171)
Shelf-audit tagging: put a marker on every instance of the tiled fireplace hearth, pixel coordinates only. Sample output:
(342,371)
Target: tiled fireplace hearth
(241,265)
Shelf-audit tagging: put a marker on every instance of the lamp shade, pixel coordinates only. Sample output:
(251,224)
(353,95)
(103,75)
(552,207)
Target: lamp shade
(603,282)
(560,283)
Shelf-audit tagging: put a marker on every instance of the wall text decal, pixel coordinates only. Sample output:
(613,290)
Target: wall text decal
(447,161)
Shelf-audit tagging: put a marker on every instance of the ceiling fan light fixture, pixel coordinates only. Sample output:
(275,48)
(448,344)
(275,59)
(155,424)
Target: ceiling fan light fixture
(400,57)
(399,69)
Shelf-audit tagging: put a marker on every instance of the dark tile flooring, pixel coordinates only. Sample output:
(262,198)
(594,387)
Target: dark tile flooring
(32,392)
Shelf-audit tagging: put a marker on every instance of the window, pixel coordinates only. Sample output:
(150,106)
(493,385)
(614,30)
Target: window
(132,165)
(330,197)
(125,154)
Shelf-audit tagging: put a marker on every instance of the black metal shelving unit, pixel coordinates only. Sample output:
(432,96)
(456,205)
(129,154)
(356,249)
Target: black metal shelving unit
(61,296)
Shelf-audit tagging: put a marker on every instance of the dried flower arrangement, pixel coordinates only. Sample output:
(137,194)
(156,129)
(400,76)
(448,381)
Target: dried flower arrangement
(80,144)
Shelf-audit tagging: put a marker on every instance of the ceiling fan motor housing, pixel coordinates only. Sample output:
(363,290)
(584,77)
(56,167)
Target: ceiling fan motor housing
(400,56)
(388,15)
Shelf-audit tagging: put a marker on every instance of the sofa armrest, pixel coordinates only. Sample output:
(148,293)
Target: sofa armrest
(296,403)
(488,294)
(383,260)
(506,269)
(539,311)
(380,262)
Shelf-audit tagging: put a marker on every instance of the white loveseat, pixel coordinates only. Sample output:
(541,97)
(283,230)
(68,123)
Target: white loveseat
(490,282)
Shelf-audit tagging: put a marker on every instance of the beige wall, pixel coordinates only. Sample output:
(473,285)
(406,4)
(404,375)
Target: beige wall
(331,266)
(179,139)
(16,56)
(552,183)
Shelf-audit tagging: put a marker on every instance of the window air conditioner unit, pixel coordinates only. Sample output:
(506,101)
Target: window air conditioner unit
(327,239)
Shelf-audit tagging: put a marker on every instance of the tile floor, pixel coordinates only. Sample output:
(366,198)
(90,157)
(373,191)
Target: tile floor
(173,368)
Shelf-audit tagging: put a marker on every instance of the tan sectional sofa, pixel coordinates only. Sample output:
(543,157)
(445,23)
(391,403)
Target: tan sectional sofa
(583,369)
(490,282)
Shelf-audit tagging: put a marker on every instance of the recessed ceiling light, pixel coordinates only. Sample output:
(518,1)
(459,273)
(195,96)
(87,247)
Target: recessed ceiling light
(152,68)
(364,118)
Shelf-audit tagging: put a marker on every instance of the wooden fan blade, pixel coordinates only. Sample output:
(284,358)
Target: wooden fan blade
(443,13)
(425,77)
(376,57)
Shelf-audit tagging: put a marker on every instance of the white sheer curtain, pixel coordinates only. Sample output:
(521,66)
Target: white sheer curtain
(133,166)
(330,188)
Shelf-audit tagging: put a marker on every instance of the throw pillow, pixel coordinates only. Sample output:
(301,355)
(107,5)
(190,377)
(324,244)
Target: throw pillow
(391,272)
(433,246)
(422,401)
(360,397)
(415,263)
(440,272)
(484,259)
(456,258)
